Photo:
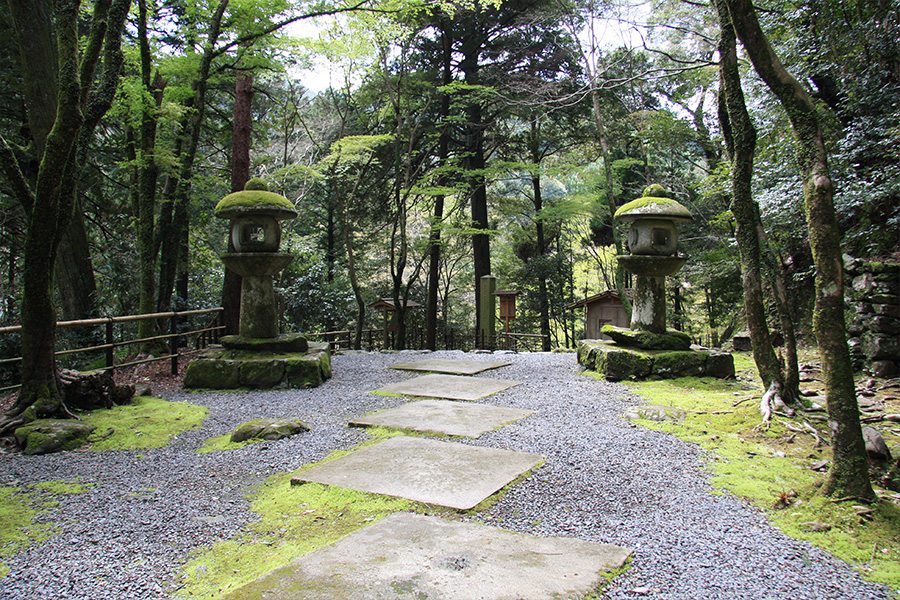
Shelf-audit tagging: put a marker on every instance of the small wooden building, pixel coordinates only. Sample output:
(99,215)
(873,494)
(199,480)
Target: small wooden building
(387,306)
(602,309)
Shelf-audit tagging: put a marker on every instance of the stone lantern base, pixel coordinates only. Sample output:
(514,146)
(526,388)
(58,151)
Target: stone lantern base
(258,368)
(616,363)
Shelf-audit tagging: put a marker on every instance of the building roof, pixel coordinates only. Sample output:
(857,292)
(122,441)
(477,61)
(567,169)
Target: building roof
(388,304)
(607,295)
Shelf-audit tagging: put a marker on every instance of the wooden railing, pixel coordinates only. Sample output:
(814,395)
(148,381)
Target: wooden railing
(207,333)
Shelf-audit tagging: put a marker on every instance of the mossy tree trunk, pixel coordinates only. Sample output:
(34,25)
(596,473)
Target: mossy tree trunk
(48,202)
(849,476)
(740,140)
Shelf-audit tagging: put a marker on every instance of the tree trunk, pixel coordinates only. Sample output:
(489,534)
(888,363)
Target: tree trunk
(50,208)
(475,164)
(240,175)
(147,178)
(75,271)
(178,190)
(538,202)
(741,144)
(849,474)
(434,238)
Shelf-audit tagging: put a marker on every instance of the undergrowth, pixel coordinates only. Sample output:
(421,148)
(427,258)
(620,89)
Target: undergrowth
(772,469)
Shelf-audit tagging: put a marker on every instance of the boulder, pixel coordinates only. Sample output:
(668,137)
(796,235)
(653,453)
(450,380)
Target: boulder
(52,435)
(617,364)
(685,363)
(655,413)
(876,447)
(646,340)
(719,365)
(268,429)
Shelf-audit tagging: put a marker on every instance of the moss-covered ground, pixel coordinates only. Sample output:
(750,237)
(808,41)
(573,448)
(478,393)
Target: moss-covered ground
(145,423)
(772,468)
(21,511)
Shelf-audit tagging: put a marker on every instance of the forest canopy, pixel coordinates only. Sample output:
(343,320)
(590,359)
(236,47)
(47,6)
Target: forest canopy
(455,139)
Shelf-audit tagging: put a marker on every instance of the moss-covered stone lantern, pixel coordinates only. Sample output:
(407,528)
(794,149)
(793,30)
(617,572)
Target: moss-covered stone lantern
(647,349)
(256,216)
(652,241)
(259,357)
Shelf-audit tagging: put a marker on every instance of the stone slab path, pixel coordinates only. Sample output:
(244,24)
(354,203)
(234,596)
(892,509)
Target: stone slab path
(444,416)
(452,366)
(425,470)
(449,387)
(408,556)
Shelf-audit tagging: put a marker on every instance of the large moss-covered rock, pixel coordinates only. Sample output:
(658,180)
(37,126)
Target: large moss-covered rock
(616,363)
(261,373)
(212,373)
(719,365)
(268,429)
(621,363)
(219,368)
(684,363)
(647,340)
(52,435)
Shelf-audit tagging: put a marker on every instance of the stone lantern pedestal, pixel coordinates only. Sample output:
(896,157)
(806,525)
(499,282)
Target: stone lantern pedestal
(259,356)
(648,349)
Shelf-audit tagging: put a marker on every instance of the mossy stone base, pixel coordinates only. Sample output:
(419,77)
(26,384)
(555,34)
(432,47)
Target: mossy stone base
(647,340)
(224,369)
(52,435)
(616,363)
(286,342)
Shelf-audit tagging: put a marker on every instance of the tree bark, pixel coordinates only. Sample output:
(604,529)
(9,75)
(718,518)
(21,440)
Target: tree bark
(434,238)
(741,143)
(849,474)
(51,207)
(538,202)
(475,164)
(240,175)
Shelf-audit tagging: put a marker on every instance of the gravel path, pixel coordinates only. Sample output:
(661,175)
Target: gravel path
(604,480)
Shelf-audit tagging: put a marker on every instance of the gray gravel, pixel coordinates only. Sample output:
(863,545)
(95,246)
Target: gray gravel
(604,480)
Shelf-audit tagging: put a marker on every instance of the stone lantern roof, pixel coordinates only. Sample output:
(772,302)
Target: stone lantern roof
(255,199)
(654,205)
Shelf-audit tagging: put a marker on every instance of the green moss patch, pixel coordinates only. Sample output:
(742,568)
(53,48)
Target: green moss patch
(222,443)
(20,509)
(18,529)
(771,469)
(145,423)
(293,521)
(63,487)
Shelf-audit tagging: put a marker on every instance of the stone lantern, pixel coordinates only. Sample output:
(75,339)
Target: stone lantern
(652,241)
(256,216)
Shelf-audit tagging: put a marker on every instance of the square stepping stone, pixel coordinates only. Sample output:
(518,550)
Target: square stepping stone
(444,416)
(449,387)
(451,366)
(414,556)
(443,473)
